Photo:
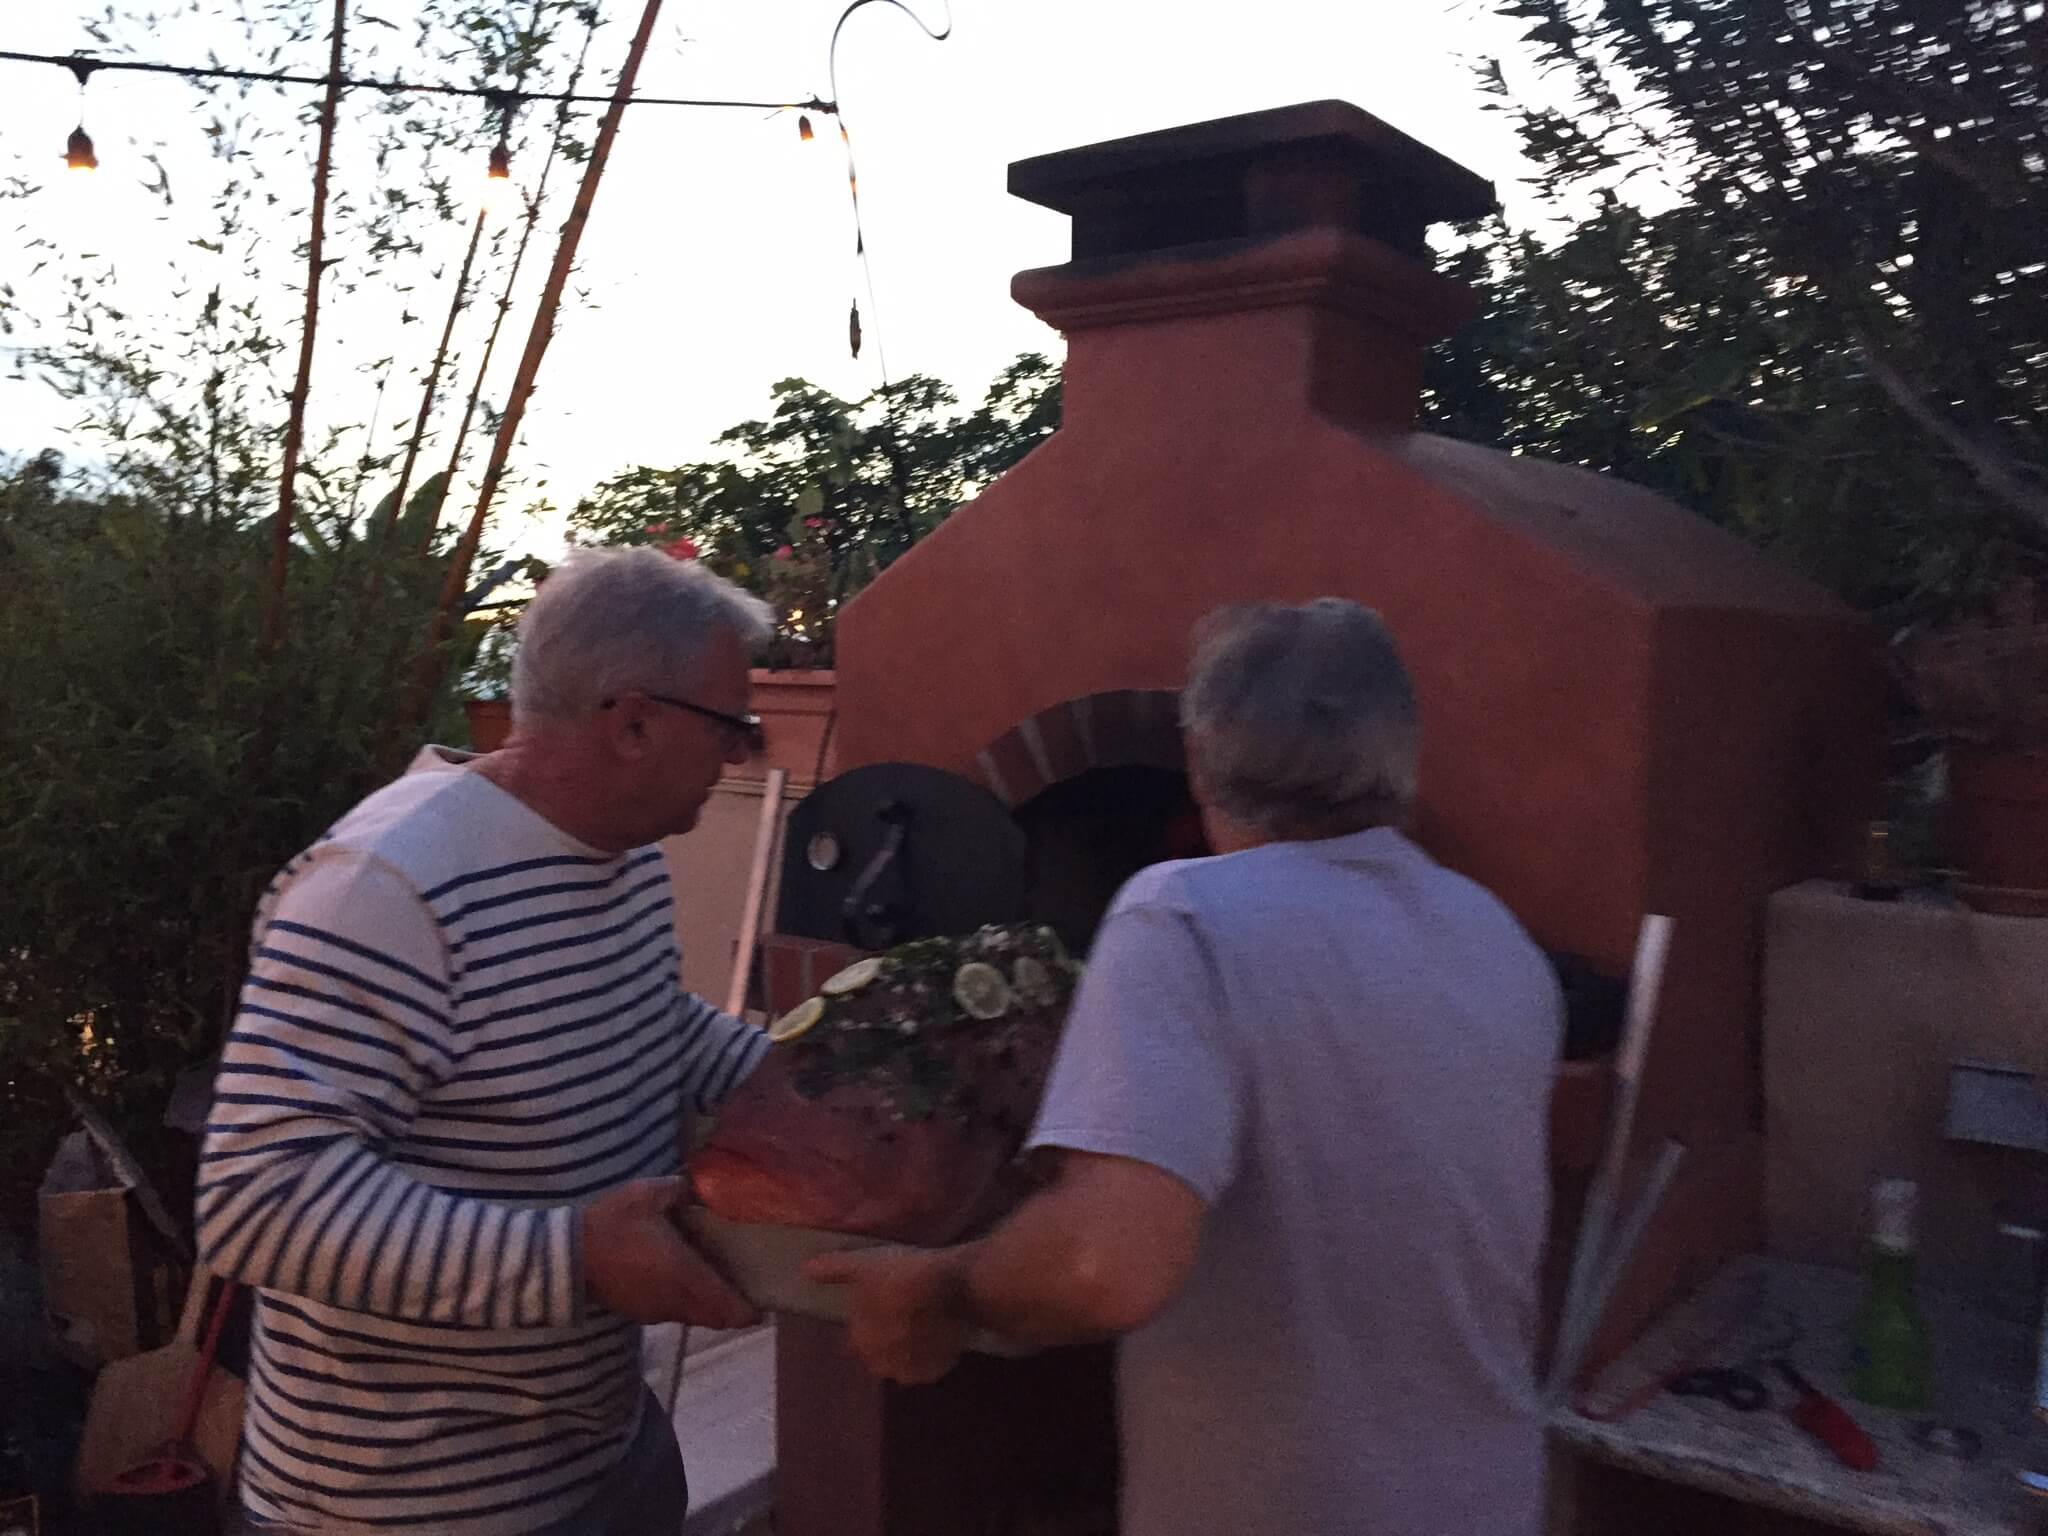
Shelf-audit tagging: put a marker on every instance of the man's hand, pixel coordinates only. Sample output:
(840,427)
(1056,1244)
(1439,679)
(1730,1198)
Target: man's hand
(638,1263)
(904,1319)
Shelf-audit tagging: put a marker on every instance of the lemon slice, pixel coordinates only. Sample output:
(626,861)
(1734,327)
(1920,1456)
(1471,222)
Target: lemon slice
(853,978)
(980,990)
(1033,981)
(800,1020)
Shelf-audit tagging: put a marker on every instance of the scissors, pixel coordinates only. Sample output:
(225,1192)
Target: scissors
(1737,1388)
(1775,1330)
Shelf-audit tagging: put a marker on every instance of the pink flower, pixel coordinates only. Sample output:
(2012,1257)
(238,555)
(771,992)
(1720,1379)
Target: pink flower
(657,530)
(680,549)
(814,522)
(785,553)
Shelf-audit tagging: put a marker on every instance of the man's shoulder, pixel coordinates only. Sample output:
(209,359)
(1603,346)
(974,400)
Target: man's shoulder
(1174,886)
(1232,882)
(1361,877)
(440,826)
(409,821)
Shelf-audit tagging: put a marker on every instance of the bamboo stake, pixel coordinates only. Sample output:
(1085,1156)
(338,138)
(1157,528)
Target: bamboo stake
(431,662)
(759,873)
(455,308)
(533,208)
(433,385)
(295,424)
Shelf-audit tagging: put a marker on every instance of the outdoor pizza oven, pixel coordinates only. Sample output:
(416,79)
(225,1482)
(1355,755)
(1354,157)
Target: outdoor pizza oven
(1625,710)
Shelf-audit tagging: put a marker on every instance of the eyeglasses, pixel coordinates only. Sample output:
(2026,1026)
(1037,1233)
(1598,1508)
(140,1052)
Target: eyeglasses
(748,726)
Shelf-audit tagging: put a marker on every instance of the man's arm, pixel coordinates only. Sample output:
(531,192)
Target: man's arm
(1097,1253)
(344,1024)
(723,1052)
(1143,1111)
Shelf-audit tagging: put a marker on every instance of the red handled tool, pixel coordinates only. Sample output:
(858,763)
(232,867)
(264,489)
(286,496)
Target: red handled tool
(171,1492)
(1828,1421)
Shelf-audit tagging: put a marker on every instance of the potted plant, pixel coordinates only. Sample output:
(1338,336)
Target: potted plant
(1982,682)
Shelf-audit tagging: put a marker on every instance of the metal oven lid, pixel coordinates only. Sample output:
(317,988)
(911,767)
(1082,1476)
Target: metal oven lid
(899,851)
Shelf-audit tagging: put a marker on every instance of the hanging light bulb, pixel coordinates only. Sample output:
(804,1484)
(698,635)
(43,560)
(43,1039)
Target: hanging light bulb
(804,130)
(78,151)
(497,180)
(498,175)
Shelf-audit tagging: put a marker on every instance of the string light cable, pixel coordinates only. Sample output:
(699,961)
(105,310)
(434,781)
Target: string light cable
(84,65)
(79,153)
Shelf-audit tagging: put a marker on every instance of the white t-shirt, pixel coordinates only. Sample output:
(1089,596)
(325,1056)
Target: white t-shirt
(1347,1051)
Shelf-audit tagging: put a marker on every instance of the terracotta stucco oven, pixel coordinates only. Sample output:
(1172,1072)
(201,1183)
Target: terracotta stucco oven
(1625,709)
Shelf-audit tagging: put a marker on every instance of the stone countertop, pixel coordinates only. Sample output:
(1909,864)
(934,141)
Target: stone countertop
(1982,1381)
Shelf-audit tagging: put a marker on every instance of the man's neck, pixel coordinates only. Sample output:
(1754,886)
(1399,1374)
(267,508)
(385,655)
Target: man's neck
(1228,835)
(550,780)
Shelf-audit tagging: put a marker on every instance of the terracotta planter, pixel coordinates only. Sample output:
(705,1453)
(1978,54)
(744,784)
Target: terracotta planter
(490,722)
(1998,816)
(797,713)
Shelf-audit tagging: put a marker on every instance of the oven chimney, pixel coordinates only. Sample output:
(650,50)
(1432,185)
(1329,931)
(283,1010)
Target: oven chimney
(1288,249)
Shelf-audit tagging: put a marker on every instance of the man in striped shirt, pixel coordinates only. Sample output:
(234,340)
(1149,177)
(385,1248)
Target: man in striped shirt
(445,1135)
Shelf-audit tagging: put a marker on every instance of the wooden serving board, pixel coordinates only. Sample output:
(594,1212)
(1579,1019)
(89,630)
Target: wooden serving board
(766,1264)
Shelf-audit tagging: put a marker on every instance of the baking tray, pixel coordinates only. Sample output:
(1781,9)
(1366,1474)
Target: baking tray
(766,1265)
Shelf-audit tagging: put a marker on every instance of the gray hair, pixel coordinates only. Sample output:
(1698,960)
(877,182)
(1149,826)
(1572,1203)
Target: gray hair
(1301,721)
(608,621)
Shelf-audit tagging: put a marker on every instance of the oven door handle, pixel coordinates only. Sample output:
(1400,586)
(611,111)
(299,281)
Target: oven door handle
(860,909)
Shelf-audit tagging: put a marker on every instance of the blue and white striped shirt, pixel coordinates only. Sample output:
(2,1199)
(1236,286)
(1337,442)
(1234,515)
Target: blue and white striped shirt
(459,1025)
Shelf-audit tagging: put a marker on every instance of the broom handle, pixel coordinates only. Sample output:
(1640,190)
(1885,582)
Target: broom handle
(195,1394)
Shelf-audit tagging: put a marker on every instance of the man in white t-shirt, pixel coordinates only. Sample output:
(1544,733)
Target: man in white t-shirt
(445,1135)
(1298,1130)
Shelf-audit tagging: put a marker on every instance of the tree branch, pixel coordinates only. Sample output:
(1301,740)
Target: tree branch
(1997,476)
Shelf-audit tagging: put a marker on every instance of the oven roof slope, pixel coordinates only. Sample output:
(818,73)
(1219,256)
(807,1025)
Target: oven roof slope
(1625,536)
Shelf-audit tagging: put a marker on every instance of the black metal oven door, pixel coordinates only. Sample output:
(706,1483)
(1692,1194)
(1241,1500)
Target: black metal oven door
(898,851)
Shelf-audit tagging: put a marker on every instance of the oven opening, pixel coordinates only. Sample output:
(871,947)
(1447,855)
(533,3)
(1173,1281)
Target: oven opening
(1087,835)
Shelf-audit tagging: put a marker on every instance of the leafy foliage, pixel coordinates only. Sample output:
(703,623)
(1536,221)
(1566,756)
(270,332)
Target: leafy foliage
(156,768)
(1810,300)
(811,504)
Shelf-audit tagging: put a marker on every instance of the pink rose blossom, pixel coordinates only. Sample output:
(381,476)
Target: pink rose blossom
(785,553)
(680,549)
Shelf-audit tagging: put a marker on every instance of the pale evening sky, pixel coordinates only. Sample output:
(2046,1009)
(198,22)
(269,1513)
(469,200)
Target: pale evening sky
(719,255)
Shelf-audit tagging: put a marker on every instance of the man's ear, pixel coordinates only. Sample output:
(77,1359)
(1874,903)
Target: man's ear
(625,728)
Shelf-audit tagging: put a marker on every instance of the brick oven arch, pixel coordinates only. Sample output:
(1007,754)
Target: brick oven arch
(1128,727)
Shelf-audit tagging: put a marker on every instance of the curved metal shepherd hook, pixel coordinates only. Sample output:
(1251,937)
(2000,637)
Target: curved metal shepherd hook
(860,242)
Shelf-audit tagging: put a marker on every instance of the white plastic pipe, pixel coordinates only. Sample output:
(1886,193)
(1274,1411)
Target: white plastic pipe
(1645,986)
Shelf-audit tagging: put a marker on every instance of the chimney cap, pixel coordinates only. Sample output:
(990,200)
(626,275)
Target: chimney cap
(1196,180)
